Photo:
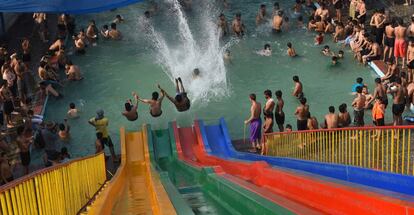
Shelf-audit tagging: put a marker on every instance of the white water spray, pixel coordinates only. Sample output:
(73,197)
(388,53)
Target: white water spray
(187,53)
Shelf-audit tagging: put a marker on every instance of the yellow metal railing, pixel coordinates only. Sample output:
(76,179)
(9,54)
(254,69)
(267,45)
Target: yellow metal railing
(381,148)
(61,189)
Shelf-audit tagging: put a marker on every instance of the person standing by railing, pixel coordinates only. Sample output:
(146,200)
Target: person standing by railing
(100,122)
(302,115)
(359,107)
(398,106)
(255,122)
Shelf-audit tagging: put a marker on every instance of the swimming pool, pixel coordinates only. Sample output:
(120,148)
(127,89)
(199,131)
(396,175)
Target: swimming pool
(114,69)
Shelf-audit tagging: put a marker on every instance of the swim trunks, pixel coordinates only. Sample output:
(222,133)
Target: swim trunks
(369,59)
(398,109)
(399,48)
(255,129)
(156,115)
(276,31)
(379,122)
(300,96)
(302,124)
(280,118)
(359,118)
(25,158)
(410,64)
(8,107)
(388,41)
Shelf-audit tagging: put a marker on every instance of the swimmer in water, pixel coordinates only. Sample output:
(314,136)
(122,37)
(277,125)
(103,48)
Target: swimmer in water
(227,56)
(340,54)
(266,51)
(118,19)
(196,73)
(291,51)
(335,61)
(326,51)
(238,26)
(181,101)
(131,108)
(298,91)
(73,112)
(155,103)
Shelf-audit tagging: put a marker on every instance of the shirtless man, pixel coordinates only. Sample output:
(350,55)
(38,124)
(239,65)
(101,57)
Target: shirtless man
(398,105)
(389,40)
(298,91)
(255,122)
(114,33)
(410,30)
(322,11)
(79,44)
(92,32)
(359,107)
(277,22)
(269,106)
(41,26)
(375,53)
(261,15)
(7,100)
(223,26)
(377,24)
(380,91)
(238,26)
(410,60)
(5,170)
(344,119)
(155,103)
(24,143)
(291,51)
(279,114)
(181,101)
(339,34)
(131,108)
(400,46)
(72,71)
(319,25)
(58,44)
(302,115)
(331,119)
(361,12)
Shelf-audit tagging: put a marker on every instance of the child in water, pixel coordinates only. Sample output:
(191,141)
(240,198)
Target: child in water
(291,52)
(227,56)
(266,51)
(326,51)
(72,112)
(64,131)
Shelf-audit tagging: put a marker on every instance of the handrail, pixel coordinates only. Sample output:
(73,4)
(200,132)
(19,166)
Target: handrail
(43,171)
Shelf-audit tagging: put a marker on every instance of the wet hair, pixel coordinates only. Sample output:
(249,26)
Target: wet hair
(155,96)
(267,46)
(331,109)
(268,93)
(99,135)
(276,5)
(92,21)
(69,62)
(196,72)
(252,96)
(64,151)
(72,105)
(42,64)
(378,80)
(238,14)
(334,58)
(286,19)
(289,126)
(341,52)
(113,25)
(326,47)
(62,126)
(128,106)
(303,100)
(289,45)
(278,93)
(342,108)
(262,6)
(105,27)
(147,13)
(118,16)
(359,89)
(359,80)
(280,13)
(295,78)
(178,98)
(399,21)
(20,130)
(221,15)
(30,112)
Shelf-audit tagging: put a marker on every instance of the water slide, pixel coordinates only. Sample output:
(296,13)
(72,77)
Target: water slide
(303,189)
(217,142)
(136,188)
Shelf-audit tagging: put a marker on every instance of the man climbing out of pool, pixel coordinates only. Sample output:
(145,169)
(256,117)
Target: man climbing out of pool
(155,103)
(130,111)
(298,91)
(100,122)
(255,122)
(181,101)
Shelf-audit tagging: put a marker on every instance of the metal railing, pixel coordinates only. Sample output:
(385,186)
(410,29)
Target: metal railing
(61,189)
(381,148)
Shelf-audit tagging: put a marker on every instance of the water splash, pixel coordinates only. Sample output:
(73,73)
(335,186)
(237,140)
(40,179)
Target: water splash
(181,57)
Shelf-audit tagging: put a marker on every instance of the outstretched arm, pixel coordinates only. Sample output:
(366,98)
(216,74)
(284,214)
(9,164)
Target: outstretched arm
(166,94)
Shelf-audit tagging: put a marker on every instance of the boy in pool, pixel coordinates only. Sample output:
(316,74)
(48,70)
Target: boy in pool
(181,101)
(155,103)
(266,51)
(72,112)
(340,54)
(327,51)
(227,56)
(291,51)
(105,31)
(118,19)
(319,39)
(114,33)
(131,108)
(196,73)
(335,61)
(298,91)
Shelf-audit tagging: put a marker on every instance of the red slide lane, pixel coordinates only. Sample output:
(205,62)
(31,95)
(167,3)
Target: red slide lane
(325,196)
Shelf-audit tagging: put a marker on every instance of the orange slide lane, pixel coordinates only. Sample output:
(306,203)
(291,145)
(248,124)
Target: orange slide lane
(325,196)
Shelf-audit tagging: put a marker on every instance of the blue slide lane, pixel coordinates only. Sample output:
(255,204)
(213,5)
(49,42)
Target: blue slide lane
(217,142)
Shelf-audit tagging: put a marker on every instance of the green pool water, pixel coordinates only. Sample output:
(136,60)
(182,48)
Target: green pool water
(114,69)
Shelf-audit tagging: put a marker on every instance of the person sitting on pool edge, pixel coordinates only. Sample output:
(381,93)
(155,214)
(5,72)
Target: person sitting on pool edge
(181,101)
(131,108)
(155,103)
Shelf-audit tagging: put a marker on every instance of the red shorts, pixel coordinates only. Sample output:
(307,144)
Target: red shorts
(400,48)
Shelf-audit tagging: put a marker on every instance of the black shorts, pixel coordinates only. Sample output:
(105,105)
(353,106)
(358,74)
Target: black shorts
(398,109)
(338,5)
(276,31)
(302,124)
(26,57)
(25,158)
(359,118)
(410,64)
(379,122)
(107,141)
(156,115)
(8,107)
(280,118)
(80,51)
(389,41)
(369,59)
(52,154)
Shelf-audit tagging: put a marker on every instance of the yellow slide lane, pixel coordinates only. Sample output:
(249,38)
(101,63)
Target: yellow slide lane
(136,187)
